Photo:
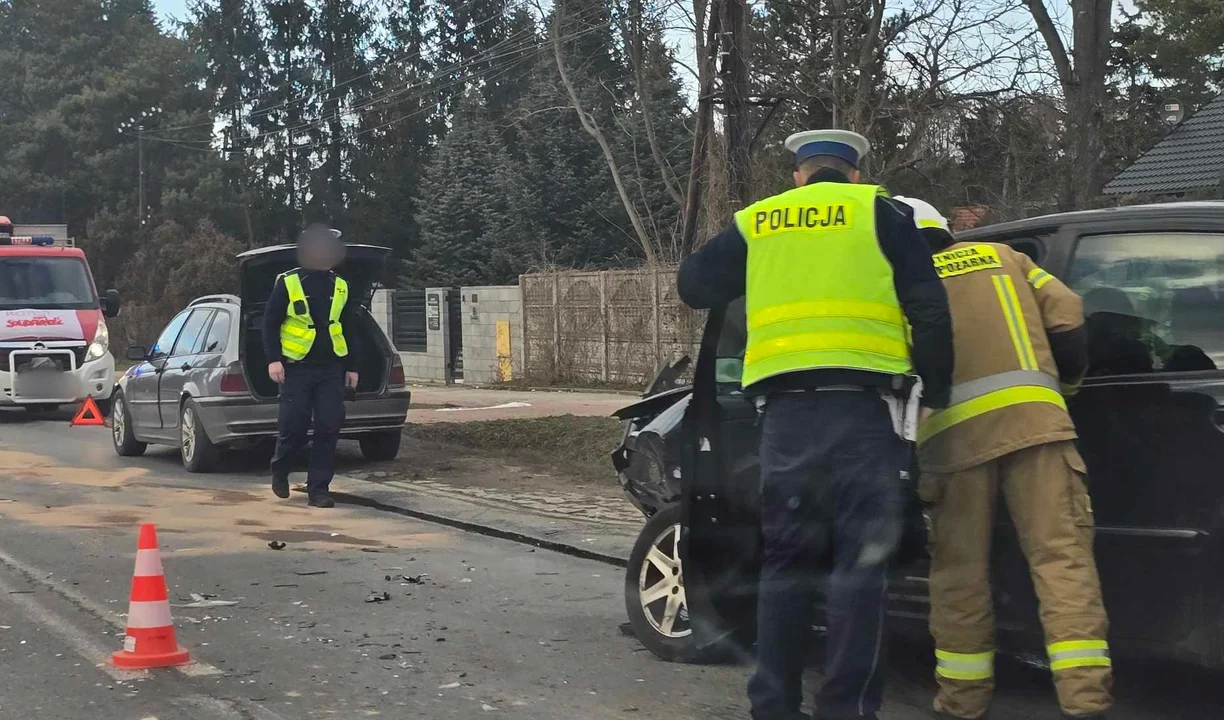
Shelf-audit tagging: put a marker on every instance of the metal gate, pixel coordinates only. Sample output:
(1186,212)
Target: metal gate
(408,321)
(454,313)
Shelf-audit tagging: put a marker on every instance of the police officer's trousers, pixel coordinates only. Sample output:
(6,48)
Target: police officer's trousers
(830,482)
(310,393)
(1049,505)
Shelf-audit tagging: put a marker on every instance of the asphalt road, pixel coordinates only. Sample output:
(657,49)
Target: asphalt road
(484,628)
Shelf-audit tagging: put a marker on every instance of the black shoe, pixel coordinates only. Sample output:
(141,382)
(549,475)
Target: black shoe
(322,500)
(280,486)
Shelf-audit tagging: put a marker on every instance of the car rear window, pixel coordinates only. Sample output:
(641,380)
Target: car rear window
(1154,302)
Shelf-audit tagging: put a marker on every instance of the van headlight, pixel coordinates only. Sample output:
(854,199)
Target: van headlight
(100,344)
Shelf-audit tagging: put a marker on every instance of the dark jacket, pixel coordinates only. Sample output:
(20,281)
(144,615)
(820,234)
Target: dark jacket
(715,275)
(317,284)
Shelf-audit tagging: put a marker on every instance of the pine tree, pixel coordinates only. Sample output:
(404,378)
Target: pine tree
(341,37)
(467,233)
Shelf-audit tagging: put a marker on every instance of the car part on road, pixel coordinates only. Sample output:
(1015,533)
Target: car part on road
(276,545)
(198,452)
(126,444)
(377,447)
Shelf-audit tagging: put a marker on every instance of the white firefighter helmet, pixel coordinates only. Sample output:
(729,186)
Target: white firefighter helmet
(925,214)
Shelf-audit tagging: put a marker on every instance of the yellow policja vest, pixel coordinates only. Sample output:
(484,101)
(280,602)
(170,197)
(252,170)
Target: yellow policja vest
(819,292)
(297,332)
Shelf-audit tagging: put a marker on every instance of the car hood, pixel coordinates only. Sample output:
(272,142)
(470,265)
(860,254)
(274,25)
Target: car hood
(362,267)
(654,404)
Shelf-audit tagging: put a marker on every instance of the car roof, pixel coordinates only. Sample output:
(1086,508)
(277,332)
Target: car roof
(1043,223)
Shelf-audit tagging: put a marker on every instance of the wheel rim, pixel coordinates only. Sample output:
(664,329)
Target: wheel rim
(661,586)
(118,422)
(189,443)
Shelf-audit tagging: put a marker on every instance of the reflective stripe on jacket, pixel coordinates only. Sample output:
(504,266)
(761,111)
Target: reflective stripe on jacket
(297,332)
(819,292)
(1005,394)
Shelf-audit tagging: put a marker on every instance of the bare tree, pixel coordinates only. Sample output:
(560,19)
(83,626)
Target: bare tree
(1081,74)
(648,244)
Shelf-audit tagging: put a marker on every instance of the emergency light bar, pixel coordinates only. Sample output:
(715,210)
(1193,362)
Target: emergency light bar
(37,240)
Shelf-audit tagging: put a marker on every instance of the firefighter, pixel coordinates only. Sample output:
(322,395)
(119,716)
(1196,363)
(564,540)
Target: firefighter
(311,359)
(1020,347)
(833,275)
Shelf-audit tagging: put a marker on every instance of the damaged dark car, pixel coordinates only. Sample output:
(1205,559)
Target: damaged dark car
(1151,428)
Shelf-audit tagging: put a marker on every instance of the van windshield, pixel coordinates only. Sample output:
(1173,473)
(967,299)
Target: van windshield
(45,283)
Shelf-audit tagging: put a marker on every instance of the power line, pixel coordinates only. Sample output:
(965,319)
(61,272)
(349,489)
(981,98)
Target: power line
(309,94)
(398,92)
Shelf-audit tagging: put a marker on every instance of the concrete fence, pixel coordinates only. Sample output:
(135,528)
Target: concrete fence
(615,326)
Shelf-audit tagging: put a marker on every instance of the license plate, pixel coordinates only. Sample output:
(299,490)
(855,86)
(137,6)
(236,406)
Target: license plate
(44,385)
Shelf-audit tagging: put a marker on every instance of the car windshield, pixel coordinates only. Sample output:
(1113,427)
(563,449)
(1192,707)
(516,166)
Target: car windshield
(45,283)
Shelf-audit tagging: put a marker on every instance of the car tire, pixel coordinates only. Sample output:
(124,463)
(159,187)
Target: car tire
(196,449)
(122,436)
(662,623)
(378,447)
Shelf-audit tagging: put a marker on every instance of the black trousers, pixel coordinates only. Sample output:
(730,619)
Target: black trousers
(310,392)
(830,489)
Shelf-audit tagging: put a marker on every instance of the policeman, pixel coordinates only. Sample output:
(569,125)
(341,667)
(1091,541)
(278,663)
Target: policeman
(1020,346)
(833,272)
(312,367)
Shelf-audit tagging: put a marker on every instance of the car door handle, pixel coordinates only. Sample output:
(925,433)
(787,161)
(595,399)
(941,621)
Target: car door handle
(186,366)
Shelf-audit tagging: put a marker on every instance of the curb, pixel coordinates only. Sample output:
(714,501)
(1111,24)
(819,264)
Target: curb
(478,529)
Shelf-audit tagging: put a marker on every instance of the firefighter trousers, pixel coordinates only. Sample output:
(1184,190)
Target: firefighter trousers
(1047,499)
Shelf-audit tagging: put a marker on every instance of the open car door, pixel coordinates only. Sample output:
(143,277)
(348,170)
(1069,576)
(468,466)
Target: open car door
(721,478)
(720,473)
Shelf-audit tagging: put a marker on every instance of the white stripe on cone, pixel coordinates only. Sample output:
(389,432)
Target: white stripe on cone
(149,614)
(148,563)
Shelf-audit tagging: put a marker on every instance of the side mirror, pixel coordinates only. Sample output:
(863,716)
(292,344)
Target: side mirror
(137,353)
(110,303)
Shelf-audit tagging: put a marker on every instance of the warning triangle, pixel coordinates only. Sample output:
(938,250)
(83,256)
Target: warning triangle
(89,414)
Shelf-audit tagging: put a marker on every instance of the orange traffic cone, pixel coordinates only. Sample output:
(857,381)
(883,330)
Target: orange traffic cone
(150,641)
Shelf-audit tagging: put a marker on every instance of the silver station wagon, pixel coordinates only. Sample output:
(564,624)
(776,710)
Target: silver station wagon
(203,386)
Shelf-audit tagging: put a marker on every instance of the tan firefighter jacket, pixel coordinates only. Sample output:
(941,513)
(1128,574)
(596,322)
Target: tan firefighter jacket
(1006,393)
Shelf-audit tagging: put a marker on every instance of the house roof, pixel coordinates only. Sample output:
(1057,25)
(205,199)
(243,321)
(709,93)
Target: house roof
(1189,157)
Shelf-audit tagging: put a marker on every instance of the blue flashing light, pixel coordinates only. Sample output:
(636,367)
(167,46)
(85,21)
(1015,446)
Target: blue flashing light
(43,240)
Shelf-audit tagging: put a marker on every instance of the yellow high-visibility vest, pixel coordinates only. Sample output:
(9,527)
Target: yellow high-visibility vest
(819,291)
(297,332)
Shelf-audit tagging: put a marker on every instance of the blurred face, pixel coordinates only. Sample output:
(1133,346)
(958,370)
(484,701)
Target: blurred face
(320,252)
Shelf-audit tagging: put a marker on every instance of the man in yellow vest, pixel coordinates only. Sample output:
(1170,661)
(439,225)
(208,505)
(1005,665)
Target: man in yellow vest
(1020,345)
(310,358)
(843,309)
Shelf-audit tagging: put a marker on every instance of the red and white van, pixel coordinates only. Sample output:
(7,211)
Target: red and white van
(54,344)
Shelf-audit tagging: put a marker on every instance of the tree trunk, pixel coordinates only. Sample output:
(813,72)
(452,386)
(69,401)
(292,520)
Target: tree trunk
(1081,73)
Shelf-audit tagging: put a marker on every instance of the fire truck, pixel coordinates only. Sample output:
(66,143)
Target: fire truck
(54,343)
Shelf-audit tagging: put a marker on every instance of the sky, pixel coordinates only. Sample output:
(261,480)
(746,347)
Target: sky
(171,8)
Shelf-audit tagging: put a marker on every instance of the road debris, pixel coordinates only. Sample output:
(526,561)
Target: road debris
(487,707)
(378,597)
(308,573)
(450,686)
(388,656)
(206,601)
(276,545)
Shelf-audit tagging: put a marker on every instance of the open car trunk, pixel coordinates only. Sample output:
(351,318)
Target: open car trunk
(366,340)
(361,267)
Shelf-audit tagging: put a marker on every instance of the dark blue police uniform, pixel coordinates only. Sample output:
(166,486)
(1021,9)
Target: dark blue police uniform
(314,386)
(830,479)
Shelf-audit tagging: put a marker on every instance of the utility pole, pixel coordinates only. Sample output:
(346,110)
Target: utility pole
(839,12)
(735,93)
(140,205)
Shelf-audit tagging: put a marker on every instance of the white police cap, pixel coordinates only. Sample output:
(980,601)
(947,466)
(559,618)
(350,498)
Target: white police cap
(843,144)
(925,214)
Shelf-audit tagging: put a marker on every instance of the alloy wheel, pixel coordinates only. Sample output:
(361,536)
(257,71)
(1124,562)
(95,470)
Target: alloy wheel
(661,586)
(189,437)
(118,421)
